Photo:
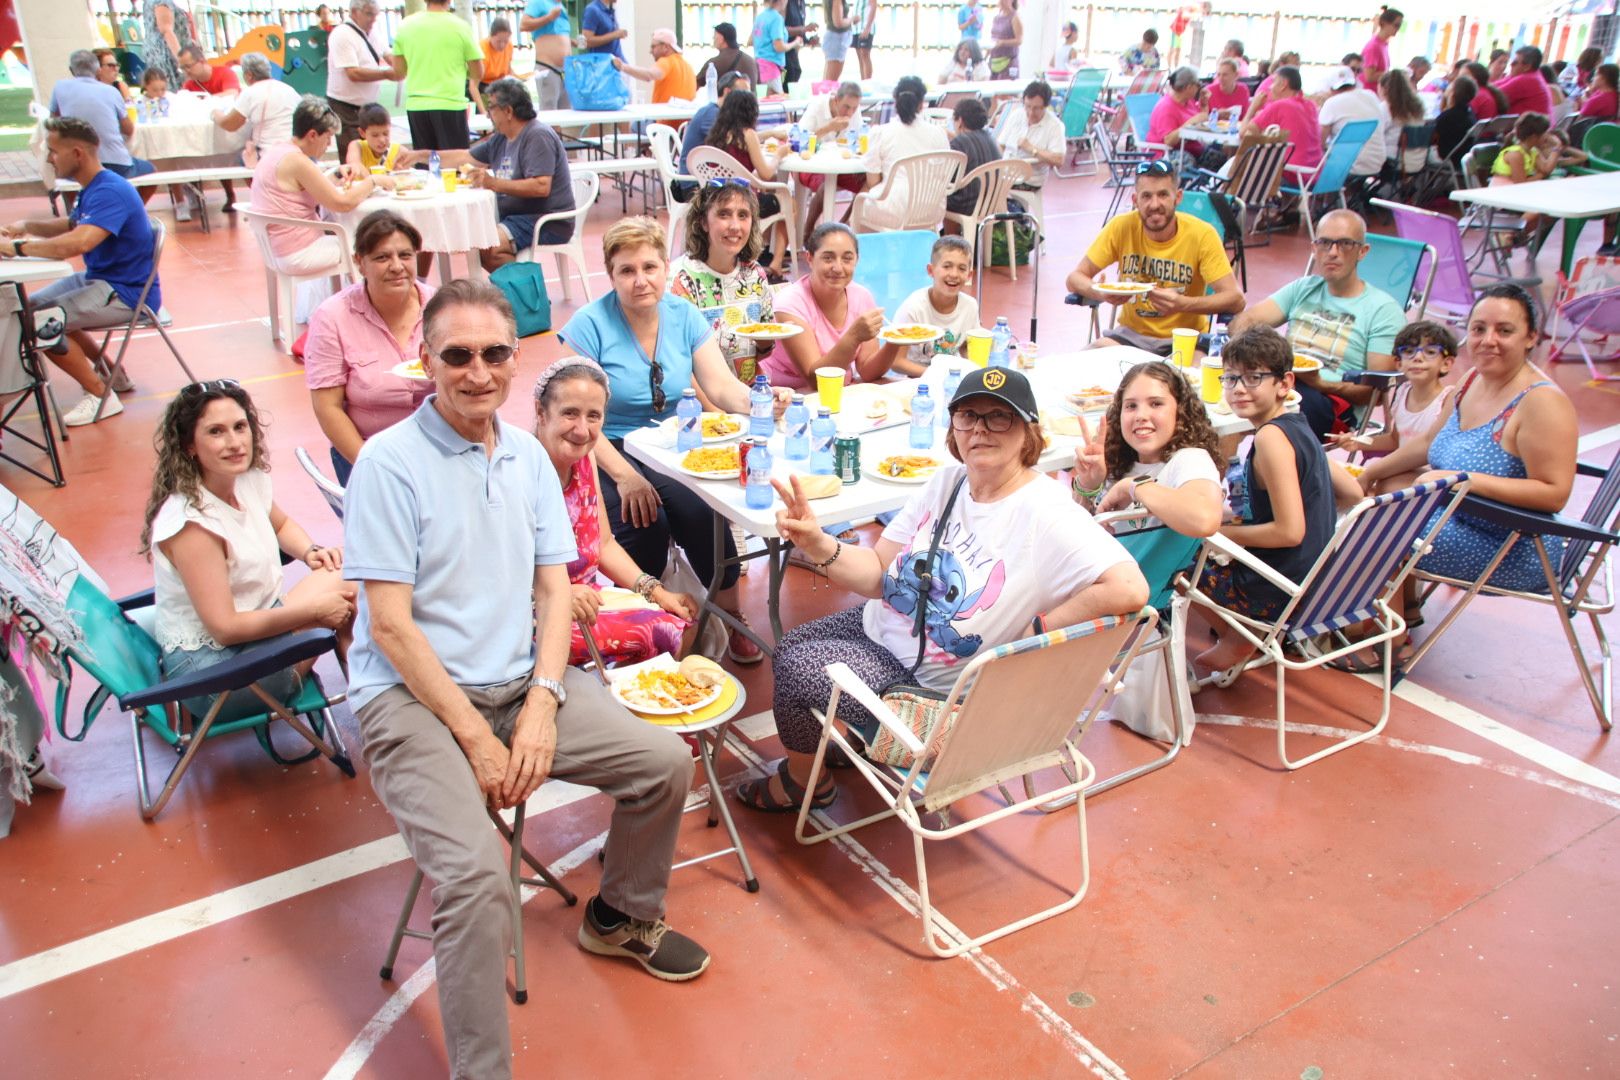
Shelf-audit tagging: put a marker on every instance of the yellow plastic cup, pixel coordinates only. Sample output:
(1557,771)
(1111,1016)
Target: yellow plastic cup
(134,113)
(810,145)
(378,170)
(1183,346)
(451,181)
(830,388)
(1210,388)
(978,346)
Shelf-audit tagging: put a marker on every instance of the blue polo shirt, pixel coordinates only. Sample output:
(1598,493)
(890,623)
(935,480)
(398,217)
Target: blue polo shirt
(599,330)
(124,259)
(697,130)
(465,529)
(99,105)
(601,19)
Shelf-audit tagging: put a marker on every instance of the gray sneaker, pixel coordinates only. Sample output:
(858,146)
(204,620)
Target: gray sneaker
(665,953)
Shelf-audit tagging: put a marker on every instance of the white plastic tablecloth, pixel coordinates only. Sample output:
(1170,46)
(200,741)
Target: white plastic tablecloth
(462,220)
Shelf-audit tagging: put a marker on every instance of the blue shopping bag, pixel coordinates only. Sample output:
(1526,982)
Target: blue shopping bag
(592,83)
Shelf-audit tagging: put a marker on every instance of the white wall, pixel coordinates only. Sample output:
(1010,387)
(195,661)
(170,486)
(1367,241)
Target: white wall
(50,32)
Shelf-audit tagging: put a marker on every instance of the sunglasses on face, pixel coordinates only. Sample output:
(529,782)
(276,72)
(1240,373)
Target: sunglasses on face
(1250,379)
(212,386)
(1428,352)
(1157,167)
(1343,243)
(998,421)
(492,355)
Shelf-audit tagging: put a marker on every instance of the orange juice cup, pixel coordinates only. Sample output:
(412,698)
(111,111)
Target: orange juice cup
(830,388)
(1210,388)
(978,346)
(452,180)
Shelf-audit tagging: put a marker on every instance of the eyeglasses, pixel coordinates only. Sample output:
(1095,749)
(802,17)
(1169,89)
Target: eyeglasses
(998,421)
(655,376)
(492,355)
(1343,243)
(212,386)
(1156,167)
(1250,379)
(728,181)
(1428,352)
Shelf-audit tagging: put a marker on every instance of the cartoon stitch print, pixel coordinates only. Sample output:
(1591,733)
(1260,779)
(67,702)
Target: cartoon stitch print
(947,598)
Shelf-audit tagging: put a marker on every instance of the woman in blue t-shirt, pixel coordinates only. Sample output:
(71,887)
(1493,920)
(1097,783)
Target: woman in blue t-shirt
(653,346)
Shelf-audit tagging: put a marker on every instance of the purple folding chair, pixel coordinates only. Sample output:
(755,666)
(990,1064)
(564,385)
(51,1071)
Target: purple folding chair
(1452,294)
(1586,315)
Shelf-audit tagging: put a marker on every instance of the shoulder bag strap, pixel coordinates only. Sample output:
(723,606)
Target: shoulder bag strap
(925,579)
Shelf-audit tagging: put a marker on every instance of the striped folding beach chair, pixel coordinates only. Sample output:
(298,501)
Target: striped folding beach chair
(1353,582)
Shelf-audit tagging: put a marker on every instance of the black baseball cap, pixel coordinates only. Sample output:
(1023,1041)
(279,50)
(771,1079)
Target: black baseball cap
(1003,384)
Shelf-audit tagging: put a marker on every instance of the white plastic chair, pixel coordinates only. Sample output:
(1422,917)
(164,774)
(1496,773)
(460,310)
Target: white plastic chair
(995,180)
(283,285)
(923,180)
(1010,713)
(666,150)
(586,186)
(713,163)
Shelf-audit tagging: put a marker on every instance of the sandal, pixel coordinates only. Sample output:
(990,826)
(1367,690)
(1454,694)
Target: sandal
(1357,664)
(756,794)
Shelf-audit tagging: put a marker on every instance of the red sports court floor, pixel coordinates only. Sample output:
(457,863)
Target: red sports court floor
(1433,903)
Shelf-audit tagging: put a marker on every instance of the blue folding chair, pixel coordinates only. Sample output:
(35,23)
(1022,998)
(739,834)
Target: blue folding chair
(1359,573)
(124,659)
(1332,172)
(1580,584)
(893,265)
(1400,267)
(1139,109)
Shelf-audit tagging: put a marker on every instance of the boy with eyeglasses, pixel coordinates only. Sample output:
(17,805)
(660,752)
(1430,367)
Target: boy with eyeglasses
(1290,513)
(1334,318)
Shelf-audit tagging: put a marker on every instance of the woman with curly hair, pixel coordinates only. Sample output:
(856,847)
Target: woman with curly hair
(734,131)
(1156,450)
(215,537)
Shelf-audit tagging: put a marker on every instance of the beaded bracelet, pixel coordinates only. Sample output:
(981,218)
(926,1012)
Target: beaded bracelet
(838,549)
(644,586)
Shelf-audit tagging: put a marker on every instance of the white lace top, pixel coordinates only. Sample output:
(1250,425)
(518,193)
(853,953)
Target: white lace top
(253,559)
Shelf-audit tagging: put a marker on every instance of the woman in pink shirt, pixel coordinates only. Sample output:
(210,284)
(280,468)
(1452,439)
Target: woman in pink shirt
(1289,109)
(1602,98)
(1226,93)
(288,182)
(1175,110)
(1375,54)
(358,337)
(843,318)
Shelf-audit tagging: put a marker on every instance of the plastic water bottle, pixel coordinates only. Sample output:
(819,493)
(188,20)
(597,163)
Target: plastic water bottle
(797,445)
(822,433)
(433,165)
(761,408)
(711,85)
(953,379)
(688,421)
(1217,342)
(922,419)
(1001,344)
(758,493)
(163,106)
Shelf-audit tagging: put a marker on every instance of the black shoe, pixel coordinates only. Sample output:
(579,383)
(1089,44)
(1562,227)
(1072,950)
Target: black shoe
(665,953)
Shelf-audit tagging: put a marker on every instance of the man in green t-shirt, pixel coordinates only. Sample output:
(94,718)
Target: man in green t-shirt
(1177,263)
(435,56)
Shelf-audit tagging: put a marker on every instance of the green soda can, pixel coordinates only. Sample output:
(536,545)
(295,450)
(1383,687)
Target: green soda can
(847,458)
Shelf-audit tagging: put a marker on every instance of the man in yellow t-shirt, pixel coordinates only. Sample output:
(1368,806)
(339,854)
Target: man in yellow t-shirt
(670,74)
(1180,256)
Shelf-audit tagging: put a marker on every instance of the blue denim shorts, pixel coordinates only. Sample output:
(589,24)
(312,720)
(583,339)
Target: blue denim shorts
(283,685)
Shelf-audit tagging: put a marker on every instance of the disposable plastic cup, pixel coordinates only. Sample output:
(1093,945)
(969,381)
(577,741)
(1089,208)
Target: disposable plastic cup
(830,388)
(1210,388)
(978,346)
(1183,346)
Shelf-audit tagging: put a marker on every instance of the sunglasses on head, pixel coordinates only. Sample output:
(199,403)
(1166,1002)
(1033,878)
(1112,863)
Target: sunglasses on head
(1156,167)
(493,355)
(212,386)
(728,181)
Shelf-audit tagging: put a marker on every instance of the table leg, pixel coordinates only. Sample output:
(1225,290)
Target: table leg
(1572,233)
(776,553)
(829,198)
(710,609)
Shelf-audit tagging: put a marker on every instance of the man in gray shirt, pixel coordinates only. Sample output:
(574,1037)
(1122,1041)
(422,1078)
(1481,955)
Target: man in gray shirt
(102,107)
(525,164)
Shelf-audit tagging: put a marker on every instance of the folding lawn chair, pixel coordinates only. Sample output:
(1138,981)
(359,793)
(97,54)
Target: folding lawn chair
(1079,112)
(1328,179)
(1353,581)
(1011,713)
(1586,314)
(330,489)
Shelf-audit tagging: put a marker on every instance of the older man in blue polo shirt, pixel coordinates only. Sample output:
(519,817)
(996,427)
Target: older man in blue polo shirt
(453,520)
(102,107)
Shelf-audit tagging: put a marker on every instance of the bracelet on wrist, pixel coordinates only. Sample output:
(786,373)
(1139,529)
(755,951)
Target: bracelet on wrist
(312,549)
(1085,493)
(838,549)
(644,586)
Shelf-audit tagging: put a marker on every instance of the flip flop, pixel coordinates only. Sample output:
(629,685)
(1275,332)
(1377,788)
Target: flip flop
(756,794)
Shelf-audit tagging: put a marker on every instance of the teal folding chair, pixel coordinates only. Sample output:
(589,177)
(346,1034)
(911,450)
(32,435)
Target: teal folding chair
(124,659)
(1331,174)
(1079,106)
(1224,213)
(893,265)
(1401,268)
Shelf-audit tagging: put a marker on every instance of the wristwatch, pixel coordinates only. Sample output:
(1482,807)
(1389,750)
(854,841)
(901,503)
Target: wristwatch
(552,685)
(1136,486)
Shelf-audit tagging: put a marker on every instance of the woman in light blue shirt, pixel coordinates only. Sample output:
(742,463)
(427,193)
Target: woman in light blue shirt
(653,346)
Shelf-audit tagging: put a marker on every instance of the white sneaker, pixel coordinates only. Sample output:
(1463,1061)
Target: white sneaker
(85,411)
(40,775)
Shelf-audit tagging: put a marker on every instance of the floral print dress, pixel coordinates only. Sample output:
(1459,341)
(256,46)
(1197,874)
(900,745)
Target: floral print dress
(622,636)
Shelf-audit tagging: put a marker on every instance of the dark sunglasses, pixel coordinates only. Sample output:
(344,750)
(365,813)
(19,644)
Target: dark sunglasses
(212,386)
(728,181)
(1156,167)
(655,376)
(492,355)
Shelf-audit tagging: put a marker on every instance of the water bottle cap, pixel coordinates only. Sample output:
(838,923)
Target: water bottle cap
(798,399)
(922,389)
(824,413)
(689,392)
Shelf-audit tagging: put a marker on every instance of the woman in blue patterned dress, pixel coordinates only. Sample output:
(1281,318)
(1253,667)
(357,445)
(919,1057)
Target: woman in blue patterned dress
(1512,431)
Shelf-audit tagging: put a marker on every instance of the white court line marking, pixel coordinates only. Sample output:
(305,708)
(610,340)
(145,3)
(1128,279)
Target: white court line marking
(399,1002)
(146,335)
(1510,739)
(163,926)
(1594,439)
